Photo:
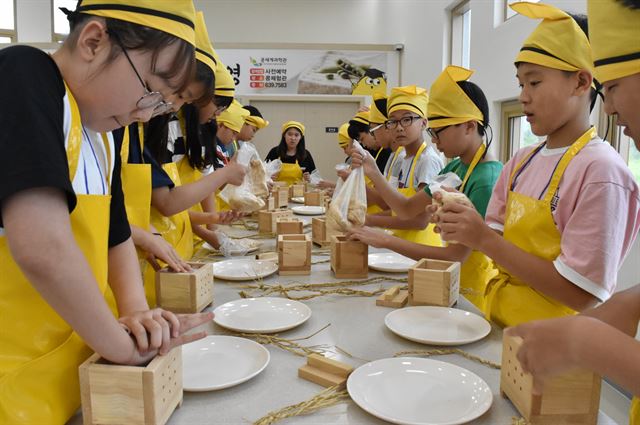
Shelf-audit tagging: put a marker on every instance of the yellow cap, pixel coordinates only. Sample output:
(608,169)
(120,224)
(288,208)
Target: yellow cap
(343,136)
(204,49)
(557,42)
(362,117)
(377,116)
(293,124)
(257,122)
(408,98)
(225,86)
(614,31)
(175,17)
(448,103)
(234,116)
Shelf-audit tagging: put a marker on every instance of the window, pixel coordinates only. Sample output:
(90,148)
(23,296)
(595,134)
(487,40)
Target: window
(629,152)
(508,12)
(60,23)
(461,34)
(516,131)
(7,21)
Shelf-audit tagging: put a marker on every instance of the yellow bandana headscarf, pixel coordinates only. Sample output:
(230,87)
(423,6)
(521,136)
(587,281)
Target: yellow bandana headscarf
(225,86)
(448,103)
(408,98)
(343,136)
(377,116)
(204,49)
(615,39)
(257,122)
(293,124)
(362,117)
(234,116)
(175,17)
(558,42)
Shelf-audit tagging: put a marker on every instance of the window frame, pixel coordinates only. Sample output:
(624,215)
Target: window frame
(509,109)
(12,34)
(456,24)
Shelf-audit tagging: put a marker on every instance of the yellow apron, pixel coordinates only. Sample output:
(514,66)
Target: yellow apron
(634,413)
(529,225)
(39,352)
(290,173)
(426,236)
(189,175)
(478,269)
(373,208)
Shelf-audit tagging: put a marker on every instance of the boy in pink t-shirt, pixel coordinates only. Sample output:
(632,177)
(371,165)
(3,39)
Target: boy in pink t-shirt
(563,214)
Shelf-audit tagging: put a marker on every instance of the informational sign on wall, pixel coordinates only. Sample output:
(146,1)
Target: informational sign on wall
(310,71)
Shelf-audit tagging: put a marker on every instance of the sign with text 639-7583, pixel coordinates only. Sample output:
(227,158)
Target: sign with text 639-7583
(310,71)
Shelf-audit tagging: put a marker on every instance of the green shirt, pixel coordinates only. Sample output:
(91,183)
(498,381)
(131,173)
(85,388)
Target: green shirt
(480,184)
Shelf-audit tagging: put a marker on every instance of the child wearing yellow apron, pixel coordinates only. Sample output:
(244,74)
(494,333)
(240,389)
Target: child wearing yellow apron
(62,188)
(563,214)
(601,339)
(417,163)
(458,119)
(297,162)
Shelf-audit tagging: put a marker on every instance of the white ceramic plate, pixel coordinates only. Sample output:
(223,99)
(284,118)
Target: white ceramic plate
(415,391)
(250,244)
(308,210)
(219,361)
(437,325)
(390,262)
(261,315)
(243,269)
(298,200)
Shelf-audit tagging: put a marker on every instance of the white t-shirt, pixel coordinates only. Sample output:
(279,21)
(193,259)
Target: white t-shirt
(427,166)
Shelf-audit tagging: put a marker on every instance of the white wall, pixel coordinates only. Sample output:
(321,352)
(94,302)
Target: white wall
(34,23)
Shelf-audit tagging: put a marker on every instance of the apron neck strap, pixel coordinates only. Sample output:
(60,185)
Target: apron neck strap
(74,138)
(414,162)
(124,149)
(378,153)
(476,159)
(105,140)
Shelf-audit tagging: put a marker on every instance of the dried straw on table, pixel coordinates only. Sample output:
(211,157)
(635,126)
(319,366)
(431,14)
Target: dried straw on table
(290,345)
(447,351)
(325,398)
(320,289)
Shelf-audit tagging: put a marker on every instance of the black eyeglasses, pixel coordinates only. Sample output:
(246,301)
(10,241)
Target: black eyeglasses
(150,99)
(404,122)
(434,133)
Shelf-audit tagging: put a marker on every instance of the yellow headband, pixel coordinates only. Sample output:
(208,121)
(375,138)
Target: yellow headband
(257,122)
(225,86)
(204,49)
(448,103)
(557,42)
(234,116)
(614,31)
(293,124)
(408,98)
(343,136)
(176,17)
(362,117)
(377,116)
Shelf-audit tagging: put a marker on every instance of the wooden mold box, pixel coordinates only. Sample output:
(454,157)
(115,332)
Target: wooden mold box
(289,226)
(281,197)
(297,190)
(349,259)
(315,198)
(294,255)
(434,282)
(136,395)
(319,232)
(571,398)
(267,219)
(185,292)
(269,204)
(324,371)
(393,297)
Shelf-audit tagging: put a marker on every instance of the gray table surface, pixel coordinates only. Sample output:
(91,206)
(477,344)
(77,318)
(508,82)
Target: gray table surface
(356,326)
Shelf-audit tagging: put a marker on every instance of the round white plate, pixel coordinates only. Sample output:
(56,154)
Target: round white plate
(308,210)
(437,325)
(298,200)
(409,390)
(261,315)
(390,262)
(219,361)
(251,245)
(243,269)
